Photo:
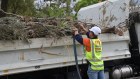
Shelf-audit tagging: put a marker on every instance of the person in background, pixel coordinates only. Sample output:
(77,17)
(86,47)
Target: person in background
(93,50)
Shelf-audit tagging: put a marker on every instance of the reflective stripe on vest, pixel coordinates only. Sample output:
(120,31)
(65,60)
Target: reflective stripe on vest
(94,56)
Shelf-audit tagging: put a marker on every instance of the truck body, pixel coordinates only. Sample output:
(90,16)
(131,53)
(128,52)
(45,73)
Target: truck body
(41,54)
(120,53)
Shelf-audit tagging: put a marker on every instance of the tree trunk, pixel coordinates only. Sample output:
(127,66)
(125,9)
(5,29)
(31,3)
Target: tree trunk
(4,5)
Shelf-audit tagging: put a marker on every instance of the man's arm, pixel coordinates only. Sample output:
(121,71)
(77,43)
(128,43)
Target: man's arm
(86,31)
(83,28)
(77,36)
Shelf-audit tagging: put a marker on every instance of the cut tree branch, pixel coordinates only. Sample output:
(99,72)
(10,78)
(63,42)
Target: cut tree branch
(7,13)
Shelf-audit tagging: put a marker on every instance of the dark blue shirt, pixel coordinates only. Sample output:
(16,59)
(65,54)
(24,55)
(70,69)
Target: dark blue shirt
(79,38)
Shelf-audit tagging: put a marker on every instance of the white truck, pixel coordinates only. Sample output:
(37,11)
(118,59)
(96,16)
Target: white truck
(54,59)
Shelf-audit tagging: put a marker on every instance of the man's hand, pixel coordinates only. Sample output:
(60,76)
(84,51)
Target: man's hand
(82,26)
(75,30)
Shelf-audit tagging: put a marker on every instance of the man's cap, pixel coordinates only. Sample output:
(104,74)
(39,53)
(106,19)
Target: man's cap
(96,30)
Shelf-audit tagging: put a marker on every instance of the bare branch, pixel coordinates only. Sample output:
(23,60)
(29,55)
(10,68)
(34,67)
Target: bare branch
(10,13)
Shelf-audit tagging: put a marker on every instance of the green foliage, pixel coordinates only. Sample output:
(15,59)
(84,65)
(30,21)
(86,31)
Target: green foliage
(22,7)
(84,3)
(54,11)
(27,8)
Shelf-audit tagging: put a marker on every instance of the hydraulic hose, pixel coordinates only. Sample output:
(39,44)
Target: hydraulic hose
(76,59)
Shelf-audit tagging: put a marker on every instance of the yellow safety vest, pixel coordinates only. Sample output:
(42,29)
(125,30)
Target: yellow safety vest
(94,56)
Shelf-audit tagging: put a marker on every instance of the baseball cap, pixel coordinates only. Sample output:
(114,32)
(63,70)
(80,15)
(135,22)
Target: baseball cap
(96,30)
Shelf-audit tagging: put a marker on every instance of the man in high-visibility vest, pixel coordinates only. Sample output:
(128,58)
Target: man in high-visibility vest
(93,51)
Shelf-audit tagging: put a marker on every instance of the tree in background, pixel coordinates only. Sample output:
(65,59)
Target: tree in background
(84,3)
(27,8)
(58,9)
(4,4)
(21,7)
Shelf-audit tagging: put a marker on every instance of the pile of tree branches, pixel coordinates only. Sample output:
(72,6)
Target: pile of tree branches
(23,28)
